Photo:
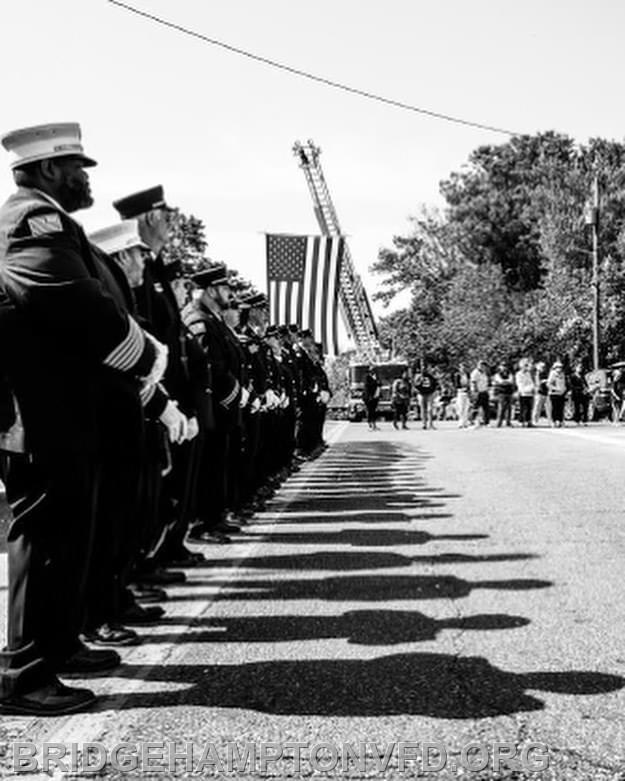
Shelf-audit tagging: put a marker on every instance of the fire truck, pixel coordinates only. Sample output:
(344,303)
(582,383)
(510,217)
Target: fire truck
(387,372)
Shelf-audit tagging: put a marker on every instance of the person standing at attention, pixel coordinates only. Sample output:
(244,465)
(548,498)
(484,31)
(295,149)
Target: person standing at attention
(371,397)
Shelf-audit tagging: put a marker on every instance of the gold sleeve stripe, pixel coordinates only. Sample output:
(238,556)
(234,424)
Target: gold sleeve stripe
(232,395)
(127,352)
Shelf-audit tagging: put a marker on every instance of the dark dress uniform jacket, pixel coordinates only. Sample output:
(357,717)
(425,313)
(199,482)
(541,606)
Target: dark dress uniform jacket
(225,359)
(65,332)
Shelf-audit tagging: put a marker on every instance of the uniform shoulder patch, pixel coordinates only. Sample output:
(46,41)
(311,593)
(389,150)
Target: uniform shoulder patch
(43,224)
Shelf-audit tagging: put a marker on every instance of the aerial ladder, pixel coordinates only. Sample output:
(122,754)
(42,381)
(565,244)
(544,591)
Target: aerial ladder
(354,302)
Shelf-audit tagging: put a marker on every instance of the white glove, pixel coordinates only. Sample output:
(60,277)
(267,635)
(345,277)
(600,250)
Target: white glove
(245,395)
(271,399)
(160,362)
(256,404)
(284,401)
(175,422)
(193,429)
(324,397)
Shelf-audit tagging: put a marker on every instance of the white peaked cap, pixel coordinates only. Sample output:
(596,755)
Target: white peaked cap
(42,142)
(115,238)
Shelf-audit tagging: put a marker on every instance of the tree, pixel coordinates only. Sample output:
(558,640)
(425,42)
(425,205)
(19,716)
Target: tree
(187,243)
(187,246)
(505,270)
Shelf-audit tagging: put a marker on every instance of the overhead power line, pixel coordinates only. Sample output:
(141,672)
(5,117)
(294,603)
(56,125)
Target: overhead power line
(310,76)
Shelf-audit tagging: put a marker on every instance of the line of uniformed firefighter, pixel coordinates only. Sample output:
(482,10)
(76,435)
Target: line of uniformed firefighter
(137,408)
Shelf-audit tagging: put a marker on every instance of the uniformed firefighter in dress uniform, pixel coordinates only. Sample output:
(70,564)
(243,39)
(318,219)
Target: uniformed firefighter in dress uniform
(76,361)
(309,390)
(117,542)
(238,441)
(323,396)
(292,378)
(268,455)
(157,305)
(204,318)
(254,410)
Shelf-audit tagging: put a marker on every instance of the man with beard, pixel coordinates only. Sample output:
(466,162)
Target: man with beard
(76,361)
(205,319)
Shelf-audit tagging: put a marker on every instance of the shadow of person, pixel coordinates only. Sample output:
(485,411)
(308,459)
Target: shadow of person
(357,588)
(344,561)
(361,515)
(358,627)
(367,538)
(437,685)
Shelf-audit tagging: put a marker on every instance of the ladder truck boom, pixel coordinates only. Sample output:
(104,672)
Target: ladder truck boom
(355,306)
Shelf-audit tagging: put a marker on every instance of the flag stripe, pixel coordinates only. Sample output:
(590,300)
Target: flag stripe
(329,252)
(287,302)
(314,264)
(303,283)
(305,321)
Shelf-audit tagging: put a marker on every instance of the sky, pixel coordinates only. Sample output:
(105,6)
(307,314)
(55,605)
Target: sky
(216,129)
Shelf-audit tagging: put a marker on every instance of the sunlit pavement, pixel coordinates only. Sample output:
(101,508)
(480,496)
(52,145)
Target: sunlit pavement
(448,586)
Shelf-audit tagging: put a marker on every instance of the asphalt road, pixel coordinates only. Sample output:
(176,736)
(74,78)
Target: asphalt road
(446,586)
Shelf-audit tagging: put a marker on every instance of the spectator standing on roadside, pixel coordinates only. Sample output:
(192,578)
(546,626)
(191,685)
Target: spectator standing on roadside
(479,383)
(579,395)
(526,387)
(557,388)
(400,400)
(618,395)
(462,384)
(425,385)
(503,383)
(541,397)
(371,397)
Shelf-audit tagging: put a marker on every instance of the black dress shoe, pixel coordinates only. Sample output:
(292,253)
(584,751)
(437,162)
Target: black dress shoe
(53,699)
(144,593)
(90,660)
(112,635)
(162,577)
(138,614)
(184,554)
(183,562)
(228,528)
(215,537)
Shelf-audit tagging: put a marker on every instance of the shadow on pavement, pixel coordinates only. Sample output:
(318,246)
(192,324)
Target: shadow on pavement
(357,588)
(437,685)
(366,538)
(358,627)
(346,560)
(432,684)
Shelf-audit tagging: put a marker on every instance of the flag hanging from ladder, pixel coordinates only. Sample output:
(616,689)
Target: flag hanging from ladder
(303,275)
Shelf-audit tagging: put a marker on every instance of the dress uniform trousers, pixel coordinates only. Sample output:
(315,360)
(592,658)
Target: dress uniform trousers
(49,546)
(178,506)
(119,462)
(212,484)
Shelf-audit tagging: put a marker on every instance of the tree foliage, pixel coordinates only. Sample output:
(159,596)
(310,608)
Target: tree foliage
(187,246)
(505,269)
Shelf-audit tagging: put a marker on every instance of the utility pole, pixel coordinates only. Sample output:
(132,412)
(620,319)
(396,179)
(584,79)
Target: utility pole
(592,219)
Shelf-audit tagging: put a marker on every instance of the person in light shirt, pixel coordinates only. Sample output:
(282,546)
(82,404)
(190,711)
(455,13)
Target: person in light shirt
(462,383)
(480,382)
(526,387)
(557,388)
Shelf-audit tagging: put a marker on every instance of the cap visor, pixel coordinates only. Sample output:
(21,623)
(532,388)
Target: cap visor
(88,162)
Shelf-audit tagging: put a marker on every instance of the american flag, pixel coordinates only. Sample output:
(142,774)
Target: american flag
(303,274)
